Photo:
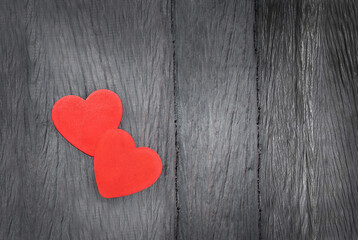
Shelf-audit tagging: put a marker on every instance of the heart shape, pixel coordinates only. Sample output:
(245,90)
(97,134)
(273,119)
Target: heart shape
(122,169)
(82,122)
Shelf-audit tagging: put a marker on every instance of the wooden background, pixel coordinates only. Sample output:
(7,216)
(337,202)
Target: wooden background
(252,105)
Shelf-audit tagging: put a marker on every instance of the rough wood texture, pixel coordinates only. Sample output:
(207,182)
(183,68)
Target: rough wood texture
(306,90)
(13,122)
(217,110)
(54,48)
(309,125)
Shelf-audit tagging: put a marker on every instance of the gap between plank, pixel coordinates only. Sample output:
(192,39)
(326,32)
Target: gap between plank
(256,47)
(172,12)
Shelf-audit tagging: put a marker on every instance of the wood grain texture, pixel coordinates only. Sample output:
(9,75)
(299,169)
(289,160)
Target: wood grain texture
(13,87)
(307,89)
(55,48)
(217,133)
(309,125)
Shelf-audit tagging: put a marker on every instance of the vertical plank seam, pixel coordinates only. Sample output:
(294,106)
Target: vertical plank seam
(256,46)
(28,10)
(172,13)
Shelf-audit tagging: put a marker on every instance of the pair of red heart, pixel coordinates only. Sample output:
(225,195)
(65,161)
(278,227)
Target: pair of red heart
(91,125)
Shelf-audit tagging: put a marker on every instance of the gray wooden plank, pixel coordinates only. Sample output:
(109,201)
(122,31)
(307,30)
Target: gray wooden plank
(309,124)
(56,48)
(13,85)
(217,111)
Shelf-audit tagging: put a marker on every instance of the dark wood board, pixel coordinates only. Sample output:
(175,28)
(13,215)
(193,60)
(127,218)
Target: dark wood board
(217,111)
(50,49)
(13,87)
(308,98)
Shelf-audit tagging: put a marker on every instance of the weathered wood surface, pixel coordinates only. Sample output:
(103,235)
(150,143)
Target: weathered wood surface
(308,90)
(50,49)
(193,62)
(217,111)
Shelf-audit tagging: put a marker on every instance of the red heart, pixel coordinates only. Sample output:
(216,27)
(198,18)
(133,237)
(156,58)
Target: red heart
(82,122)
(122,169)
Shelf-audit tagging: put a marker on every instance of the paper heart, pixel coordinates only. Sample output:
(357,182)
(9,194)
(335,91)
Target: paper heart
(82,122)
(122,169)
